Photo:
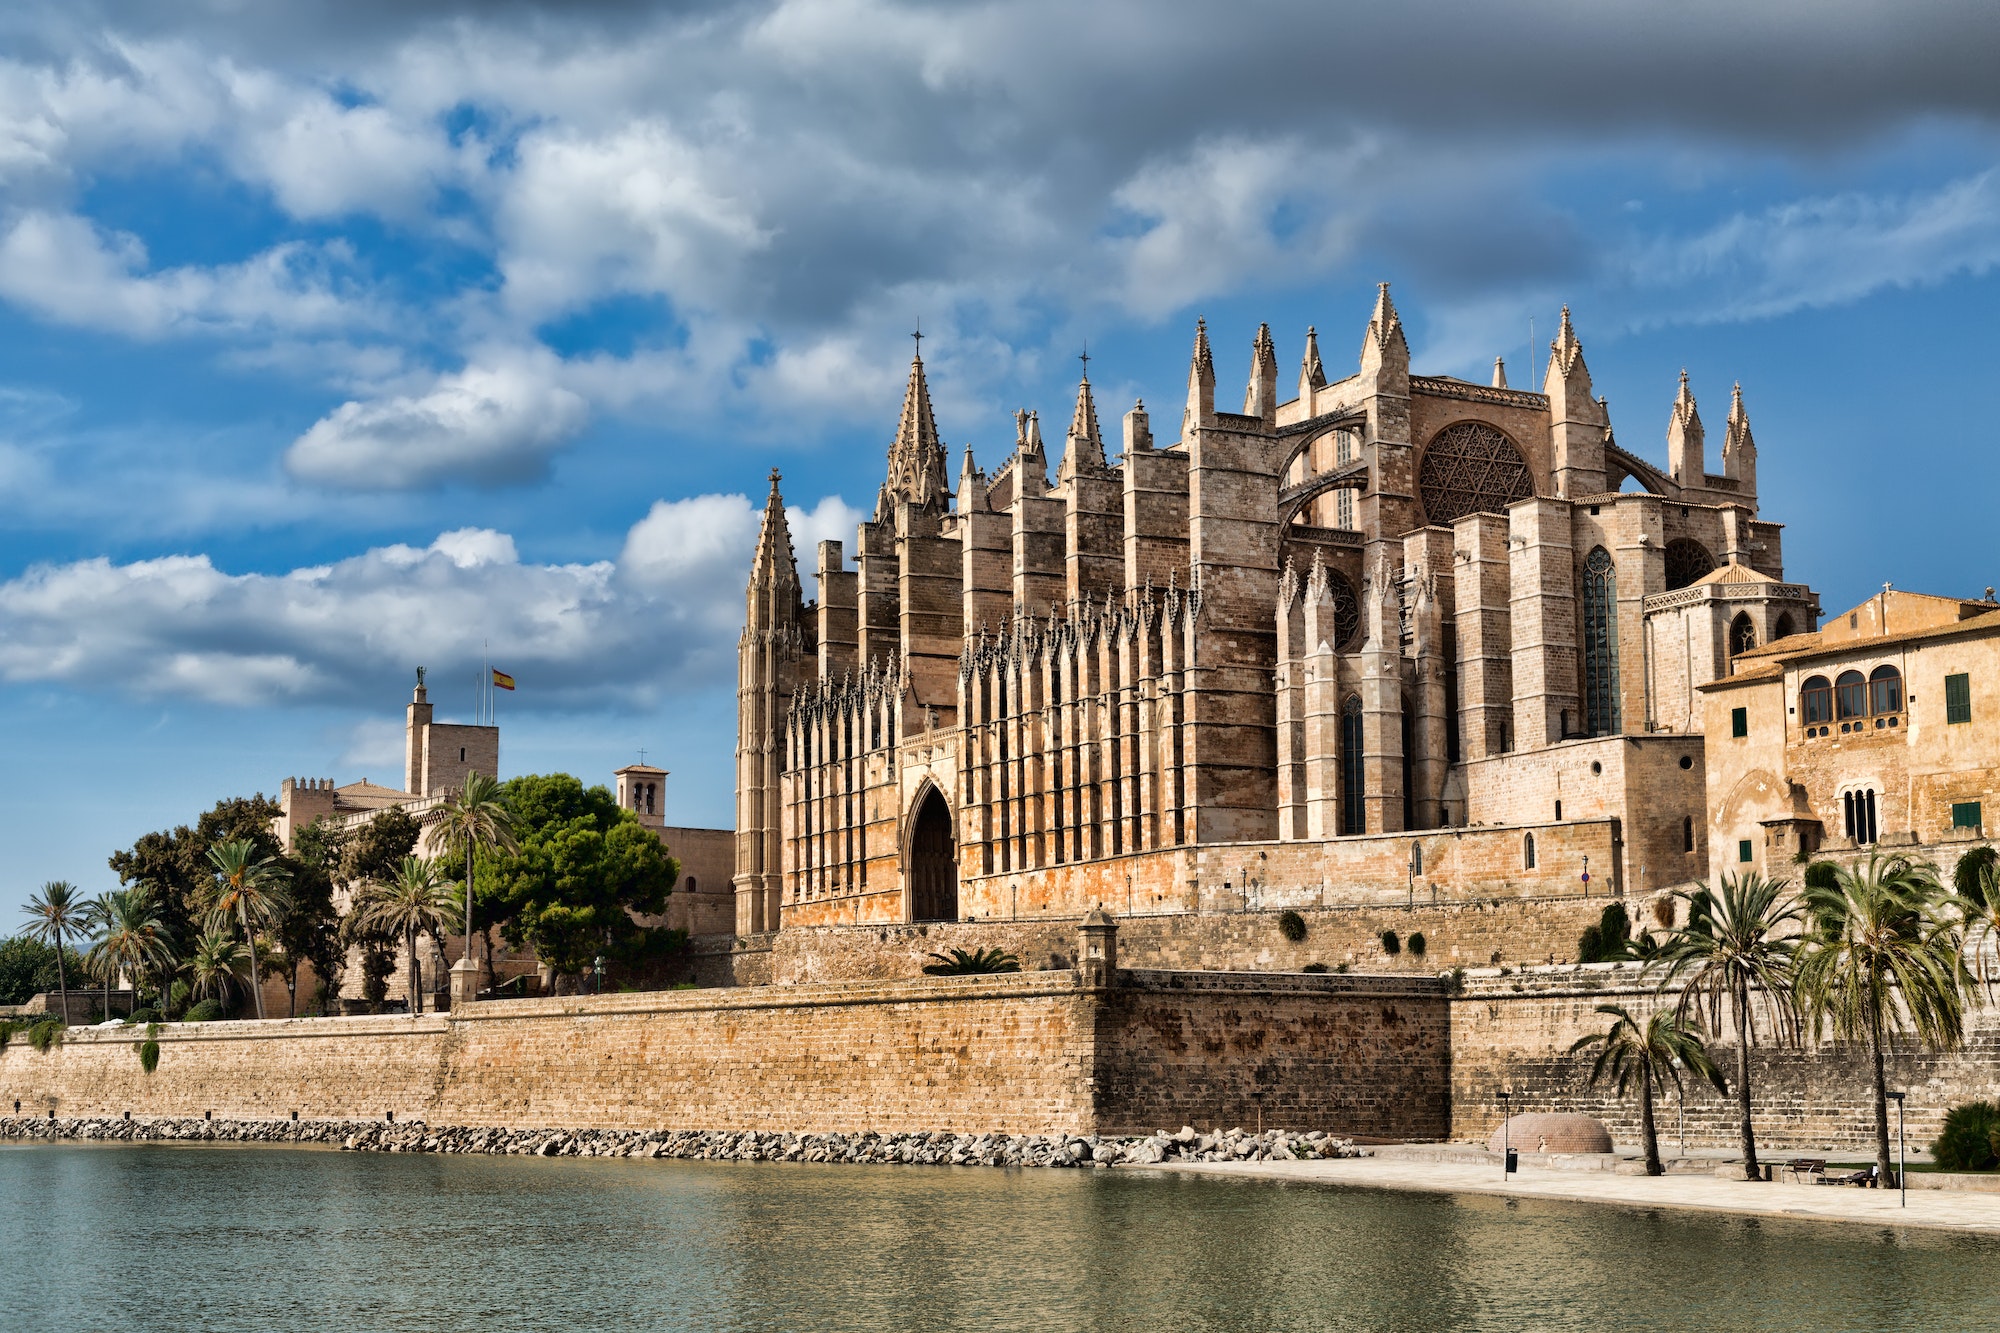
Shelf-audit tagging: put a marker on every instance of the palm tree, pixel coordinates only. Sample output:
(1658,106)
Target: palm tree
(54,914)
(473,819)
(1734,949)
(217,964)
(1650,1053)
(130,938)
(93,915)
(1882,962)
(1976,899)
(416,901)
(252,888)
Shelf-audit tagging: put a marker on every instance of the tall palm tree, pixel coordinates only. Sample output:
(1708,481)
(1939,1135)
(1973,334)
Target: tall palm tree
(217,964)
(252,889)
(416,900)
(474,819)
(1650,1053)
(1976,901)
(94,913)
(54,914)
(1736,948)
(130,938)
(1882,962)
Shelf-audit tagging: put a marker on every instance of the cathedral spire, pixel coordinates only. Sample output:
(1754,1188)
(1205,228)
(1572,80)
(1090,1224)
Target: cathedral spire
(916,459)
(1685,457)
(1201,383)
(772,564)
(1085,445)
(1312,374)
(1739,447)
(1385,353)
(1565,352)
(1385,326)
(1260,399)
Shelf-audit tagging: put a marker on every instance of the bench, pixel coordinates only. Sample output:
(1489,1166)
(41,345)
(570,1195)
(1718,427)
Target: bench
(1806,1168)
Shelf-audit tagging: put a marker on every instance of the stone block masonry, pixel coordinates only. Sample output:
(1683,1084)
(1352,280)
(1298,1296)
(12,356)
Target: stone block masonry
(1031,1053)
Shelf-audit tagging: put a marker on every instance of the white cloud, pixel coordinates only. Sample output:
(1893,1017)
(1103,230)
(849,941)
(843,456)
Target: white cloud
(489,424)
(65,268)
(659,618)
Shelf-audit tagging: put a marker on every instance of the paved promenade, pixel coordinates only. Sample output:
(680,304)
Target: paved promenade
(1943,1210)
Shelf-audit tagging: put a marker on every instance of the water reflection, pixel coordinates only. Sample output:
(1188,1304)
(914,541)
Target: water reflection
(229,1239)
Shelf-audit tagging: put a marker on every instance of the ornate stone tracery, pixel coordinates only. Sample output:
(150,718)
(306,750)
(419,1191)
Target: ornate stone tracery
(1687,560)
(1471,468)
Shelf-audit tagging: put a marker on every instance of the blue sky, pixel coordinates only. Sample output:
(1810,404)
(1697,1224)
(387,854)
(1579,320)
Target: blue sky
(339,338)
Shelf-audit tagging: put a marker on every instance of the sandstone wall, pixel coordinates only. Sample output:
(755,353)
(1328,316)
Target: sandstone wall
(1514,1032)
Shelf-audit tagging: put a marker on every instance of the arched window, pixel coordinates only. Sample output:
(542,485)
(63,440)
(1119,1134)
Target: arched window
(1687,833)
(1885,690)
(1687,560)
(1600,644)
(1527,851)
(692,886)
(1471,468)
(1815,701)
(1742,634)
(1786,626)
(1351,815)
(1346,448)
(1850,695)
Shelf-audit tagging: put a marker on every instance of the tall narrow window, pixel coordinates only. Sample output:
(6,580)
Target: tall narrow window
(1958,698)
(1742,634)
(1345,448)
(1600,644)
(1850,695)
(1527,851)
(1885,690)
(1351,817)
(1687,833)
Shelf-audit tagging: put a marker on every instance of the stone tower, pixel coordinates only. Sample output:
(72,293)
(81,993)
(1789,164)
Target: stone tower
(768,669)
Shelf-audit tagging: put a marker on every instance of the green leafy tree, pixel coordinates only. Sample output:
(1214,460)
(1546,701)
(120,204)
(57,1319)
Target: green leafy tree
(29,967)
(580,873)
(372,852)
(218,964)
(250,887)
(1881,963)
(175,862)
(55,912)
(478,819)
(308,931)
(1736,951)
(1650,1054)
(416,901)
(130,938)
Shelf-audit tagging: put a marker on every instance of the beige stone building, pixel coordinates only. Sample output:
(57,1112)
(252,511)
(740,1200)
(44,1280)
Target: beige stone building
(1385,634)
(1877,730)
(438,757)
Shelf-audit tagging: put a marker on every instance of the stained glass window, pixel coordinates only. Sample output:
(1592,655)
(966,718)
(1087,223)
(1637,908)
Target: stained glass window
(1600,643)
(1471,468)
(1352,818)
(1687,560)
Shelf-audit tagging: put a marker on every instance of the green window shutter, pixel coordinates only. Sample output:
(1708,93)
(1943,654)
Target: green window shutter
(1743,852)
(1739,722)
(1958,698)
(1965,814)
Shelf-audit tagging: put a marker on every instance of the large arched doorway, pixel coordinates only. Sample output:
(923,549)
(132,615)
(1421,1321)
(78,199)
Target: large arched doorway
(933,861)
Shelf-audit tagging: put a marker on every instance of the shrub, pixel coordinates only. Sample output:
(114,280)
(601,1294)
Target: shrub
(1454,980)
(208,1011)
(178,996)
(1314,968)
(1665,911)
(47,1033)
(1966,1141)
(142,1016)
(1590,945)
(1292,926)
(1418,944)
(978,962)
(1822,875)
(149,1054)
(1341,968)
(1390,944)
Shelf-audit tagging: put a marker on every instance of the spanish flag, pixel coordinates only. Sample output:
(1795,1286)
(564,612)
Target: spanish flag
(502,681)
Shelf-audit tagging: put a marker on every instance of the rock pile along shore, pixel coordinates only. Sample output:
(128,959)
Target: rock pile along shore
(938,1148)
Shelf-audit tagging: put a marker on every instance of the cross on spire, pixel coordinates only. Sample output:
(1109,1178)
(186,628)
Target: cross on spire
(642,754)
(918,334)
(1084,356)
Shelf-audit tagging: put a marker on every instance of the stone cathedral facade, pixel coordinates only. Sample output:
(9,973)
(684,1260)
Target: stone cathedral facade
(1385,635)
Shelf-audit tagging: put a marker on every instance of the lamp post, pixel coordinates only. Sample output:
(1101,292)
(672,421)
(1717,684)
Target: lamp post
(1902,1154)
(597,966)
(1586,876)
(1506,1142)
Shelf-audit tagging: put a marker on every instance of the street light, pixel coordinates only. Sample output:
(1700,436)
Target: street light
(1506,1143)
(1902,1154)
(597,965)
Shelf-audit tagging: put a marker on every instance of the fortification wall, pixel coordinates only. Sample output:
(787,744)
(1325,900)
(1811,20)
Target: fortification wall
(1456,934)
(1515,1032)
(1026,1053)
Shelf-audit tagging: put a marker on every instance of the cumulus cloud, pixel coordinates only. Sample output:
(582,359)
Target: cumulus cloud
(488,425)
(660,617)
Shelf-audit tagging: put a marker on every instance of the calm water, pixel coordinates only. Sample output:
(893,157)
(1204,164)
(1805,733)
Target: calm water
(225,1238)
